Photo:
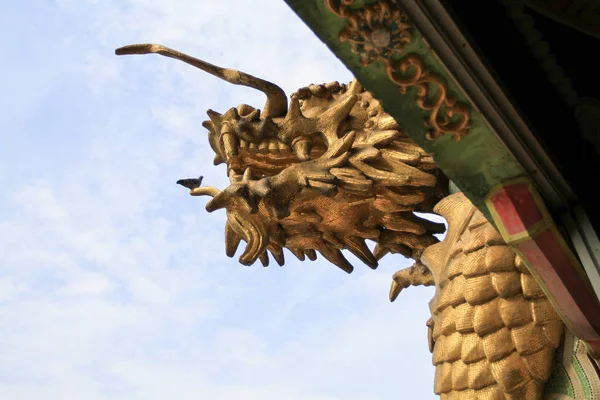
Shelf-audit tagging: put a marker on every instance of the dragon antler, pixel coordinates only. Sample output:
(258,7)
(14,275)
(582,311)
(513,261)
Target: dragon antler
(276,105)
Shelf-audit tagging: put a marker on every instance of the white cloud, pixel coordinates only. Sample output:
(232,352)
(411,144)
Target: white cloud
(113,282)
(87,284)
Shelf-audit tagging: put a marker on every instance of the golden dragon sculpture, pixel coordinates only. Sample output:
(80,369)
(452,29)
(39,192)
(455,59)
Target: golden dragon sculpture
(332,170)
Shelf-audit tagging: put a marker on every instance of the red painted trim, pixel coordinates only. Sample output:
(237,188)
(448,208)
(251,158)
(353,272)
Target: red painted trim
(526,225)
(517,208)
(573,298)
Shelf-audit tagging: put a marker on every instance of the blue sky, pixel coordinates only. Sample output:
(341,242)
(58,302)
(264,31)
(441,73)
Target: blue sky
(114,283)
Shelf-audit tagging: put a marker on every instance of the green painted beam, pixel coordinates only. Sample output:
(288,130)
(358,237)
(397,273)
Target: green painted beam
(476,163)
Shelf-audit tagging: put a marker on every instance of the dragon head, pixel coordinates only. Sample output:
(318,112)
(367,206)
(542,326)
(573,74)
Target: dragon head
(324,174)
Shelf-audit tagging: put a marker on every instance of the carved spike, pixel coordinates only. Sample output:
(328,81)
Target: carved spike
(231,114)
(254,235)
(405,243)
(248,176)
(355,87)
(245,109)
(349,172)
(264,259)
(329,122)
(215,117)
(277,253)
(366,232)
(360,187)
(379,175)
(255,116)
(359,248)
(222,199)
(336,257)
(415,176)
(233,177)
(209,125)
(215,145)
(399,156)
(405,199)
(277,236)
(303,237)
(396,242)
(401,223)
(386,205)
(204,191)
(387,122)
(232,240)
(380,138)
(395,290)
(219,201)
(298,253)
(327,189)
(218,160)
(406,146)
(380,251)
(365,153)
(430,226)
(333,241)
(311,254)
(340,146)
(294,110)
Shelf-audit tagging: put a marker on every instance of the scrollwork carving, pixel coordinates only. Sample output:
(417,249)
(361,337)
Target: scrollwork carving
(381,31)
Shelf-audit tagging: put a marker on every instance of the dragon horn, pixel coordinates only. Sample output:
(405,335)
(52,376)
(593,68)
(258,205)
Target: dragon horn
(276,105)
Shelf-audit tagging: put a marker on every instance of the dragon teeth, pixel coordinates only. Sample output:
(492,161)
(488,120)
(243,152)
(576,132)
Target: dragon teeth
(247,174)
(263,147)
(273,148)
(283,148)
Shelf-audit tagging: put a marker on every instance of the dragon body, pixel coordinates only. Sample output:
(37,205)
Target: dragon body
(333,170)
(493,332)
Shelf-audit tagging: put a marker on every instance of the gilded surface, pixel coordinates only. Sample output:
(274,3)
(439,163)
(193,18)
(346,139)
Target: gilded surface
(333,170)
(380,31)
(493,331)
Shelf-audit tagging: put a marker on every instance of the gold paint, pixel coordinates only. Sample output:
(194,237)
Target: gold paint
(508,341)
(507,284)
(319,179)
(379,31)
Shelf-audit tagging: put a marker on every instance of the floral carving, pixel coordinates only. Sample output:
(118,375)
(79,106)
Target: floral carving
(380,31)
